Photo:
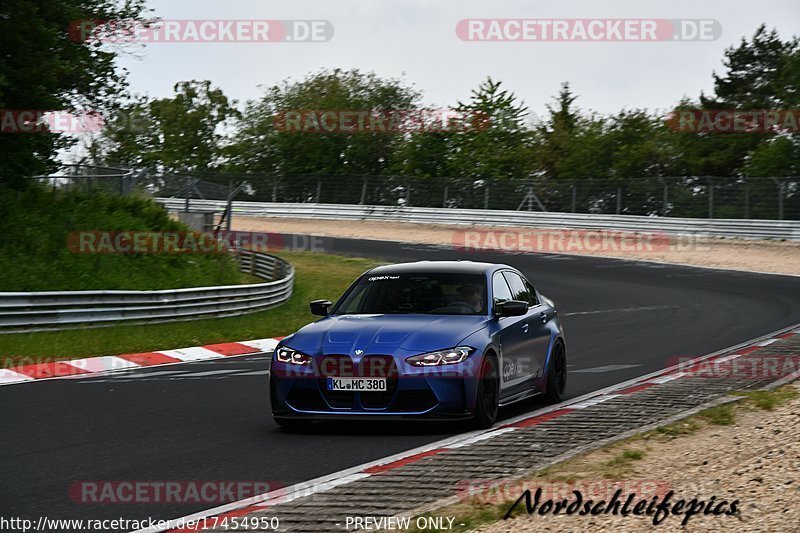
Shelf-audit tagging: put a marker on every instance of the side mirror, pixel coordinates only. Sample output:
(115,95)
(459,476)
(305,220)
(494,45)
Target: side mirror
(320,307)
(511,308)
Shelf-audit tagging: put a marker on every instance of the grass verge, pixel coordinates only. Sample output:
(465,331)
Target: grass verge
(317,276)
(43,230)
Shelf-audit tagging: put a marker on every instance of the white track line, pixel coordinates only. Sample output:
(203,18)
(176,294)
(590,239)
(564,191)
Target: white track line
(265,345)
(195,353)
(102,364)
(9,376)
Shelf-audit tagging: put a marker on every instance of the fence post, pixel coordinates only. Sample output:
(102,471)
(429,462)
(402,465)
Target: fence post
(444,196)
(619,200)
(486,195)
(408,194)
(274,191)
(319,189)
(710,186)
(665,198)
(363,191)
(574,196)
(780,184)
(746,199)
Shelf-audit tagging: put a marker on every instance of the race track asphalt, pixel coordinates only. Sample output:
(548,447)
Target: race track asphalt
(210,420)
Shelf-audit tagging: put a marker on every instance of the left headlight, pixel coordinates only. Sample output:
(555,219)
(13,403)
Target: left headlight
(285,354)
(441,357)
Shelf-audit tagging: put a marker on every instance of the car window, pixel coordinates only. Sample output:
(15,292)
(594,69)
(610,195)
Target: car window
(532,292)
(500,291)
(416,293)
(519,291)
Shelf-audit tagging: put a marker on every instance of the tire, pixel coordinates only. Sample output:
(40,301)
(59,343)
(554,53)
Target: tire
(487,402)
(293,423)
(556,375)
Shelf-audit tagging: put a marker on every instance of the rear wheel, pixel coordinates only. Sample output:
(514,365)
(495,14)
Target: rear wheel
(488,400)
(556,375)
(293,423)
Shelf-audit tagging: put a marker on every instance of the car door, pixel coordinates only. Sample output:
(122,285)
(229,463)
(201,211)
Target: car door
(515,371)
(537,333)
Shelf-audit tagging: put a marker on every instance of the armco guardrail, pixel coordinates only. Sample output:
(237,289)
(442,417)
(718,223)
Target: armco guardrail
(31,311)
(742,228)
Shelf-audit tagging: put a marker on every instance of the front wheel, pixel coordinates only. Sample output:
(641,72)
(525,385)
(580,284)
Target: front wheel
(488,400)
(556,375)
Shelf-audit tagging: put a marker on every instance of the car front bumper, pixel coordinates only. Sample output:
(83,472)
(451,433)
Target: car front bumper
(445,392)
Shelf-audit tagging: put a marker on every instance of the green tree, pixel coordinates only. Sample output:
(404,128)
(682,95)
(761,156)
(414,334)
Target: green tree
(755,74)
(760,74)
(491,139)
(183,133)
(46,68)
(260,146)
(557,138)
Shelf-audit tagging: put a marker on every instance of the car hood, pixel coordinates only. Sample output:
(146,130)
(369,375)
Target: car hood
(382,334)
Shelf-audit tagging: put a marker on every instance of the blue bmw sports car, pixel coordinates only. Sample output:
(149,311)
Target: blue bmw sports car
(425,340)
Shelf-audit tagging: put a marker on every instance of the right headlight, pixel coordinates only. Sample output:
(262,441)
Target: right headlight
(441,357)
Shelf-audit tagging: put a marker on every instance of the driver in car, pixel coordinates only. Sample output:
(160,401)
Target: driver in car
(471,294)
(396,299)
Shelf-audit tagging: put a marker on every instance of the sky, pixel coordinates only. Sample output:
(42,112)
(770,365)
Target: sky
(416,41)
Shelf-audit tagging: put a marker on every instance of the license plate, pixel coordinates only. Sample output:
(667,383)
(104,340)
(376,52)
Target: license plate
(357,384)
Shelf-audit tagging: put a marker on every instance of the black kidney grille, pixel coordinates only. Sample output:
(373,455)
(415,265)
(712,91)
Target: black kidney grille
(378,366)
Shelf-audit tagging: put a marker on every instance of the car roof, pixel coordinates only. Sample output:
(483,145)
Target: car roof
(429,267)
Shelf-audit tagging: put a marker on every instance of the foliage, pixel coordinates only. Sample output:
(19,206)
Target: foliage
(184,133)
(260,146)
(34,252)
(45,68)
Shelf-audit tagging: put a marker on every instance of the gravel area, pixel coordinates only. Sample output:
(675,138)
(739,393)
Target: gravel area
(756,460)
(760,256)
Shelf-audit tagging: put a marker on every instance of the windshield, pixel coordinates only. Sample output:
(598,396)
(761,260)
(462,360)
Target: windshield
(434,294)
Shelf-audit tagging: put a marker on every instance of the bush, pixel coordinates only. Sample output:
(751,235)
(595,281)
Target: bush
(34,255)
